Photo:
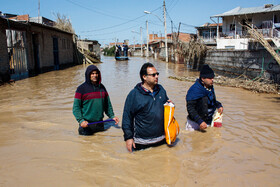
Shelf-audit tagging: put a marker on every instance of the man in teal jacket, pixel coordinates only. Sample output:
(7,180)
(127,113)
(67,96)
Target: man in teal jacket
(91,101)
(143,114)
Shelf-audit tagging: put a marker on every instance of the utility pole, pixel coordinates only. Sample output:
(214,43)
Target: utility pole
(166,51)
(173,39)
(176,44)
(177,38)
(134,43)
(141,41)
(147,51)
(218,34)
(38,11)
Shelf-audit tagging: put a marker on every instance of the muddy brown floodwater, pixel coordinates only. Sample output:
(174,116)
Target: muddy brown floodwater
(40,146)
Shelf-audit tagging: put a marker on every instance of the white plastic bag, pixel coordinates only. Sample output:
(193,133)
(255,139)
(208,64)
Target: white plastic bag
(217,119)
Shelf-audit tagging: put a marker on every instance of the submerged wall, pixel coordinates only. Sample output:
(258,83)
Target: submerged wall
(250,63)
(32,48)
(4,58)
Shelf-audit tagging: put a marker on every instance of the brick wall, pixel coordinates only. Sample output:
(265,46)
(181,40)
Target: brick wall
(249,63)
(21,17)
(185,37)
(45,41)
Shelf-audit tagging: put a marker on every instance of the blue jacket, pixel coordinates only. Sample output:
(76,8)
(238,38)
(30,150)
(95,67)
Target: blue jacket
(143,115)
(201,103)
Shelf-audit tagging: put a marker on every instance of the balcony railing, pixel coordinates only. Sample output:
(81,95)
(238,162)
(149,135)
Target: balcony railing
(209,40)
(267,33)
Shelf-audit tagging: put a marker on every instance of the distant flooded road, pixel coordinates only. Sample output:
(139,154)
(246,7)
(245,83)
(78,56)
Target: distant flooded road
(40,145)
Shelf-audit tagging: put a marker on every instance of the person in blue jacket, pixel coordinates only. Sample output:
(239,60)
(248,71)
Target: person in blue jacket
(143,114)
(201,101)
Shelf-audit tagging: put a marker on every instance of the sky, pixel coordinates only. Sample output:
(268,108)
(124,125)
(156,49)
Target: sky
(108,21)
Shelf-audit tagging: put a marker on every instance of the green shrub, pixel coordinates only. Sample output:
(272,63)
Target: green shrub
(109,51)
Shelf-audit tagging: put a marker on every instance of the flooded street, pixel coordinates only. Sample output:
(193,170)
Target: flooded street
(40,145)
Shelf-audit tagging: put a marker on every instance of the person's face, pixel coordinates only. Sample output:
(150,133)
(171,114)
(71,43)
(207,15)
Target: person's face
(152,76)
(94,77)
(208,82)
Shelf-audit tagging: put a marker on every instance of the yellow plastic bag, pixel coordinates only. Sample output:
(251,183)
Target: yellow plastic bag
(171,126)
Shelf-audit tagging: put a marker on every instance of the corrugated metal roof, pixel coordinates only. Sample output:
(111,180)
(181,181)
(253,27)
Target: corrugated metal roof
(206,25)
(253,10)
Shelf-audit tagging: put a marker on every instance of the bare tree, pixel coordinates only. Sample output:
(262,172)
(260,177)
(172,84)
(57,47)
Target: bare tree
(194,52)
(63,23)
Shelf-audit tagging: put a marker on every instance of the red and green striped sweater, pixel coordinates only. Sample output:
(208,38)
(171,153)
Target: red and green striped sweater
(92,101)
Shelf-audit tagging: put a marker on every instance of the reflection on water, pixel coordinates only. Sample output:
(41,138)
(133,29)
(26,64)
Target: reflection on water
(39,142)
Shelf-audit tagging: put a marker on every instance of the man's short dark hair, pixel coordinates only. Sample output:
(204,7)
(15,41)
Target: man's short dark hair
(144,68)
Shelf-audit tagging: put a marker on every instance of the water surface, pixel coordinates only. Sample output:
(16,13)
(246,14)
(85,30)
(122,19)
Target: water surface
(40,146)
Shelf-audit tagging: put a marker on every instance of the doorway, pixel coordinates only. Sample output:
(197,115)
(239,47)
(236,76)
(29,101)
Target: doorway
(55,54)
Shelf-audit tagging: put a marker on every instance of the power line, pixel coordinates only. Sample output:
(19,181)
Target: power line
(117,24)
(188,25)
(95,11)
(113,25)
(171,7)
(114,31)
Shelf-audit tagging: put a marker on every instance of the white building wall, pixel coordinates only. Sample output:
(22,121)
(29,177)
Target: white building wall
(231,38)
(257,20)
(237,44)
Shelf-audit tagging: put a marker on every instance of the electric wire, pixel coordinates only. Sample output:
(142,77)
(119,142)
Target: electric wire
(172,6)
(188,25)
(95,11)
(114,31)
(117,25)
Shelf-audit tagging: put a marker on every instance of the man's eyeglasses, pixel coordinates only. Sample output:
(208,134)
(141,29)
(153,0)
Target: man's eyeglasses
(154,74)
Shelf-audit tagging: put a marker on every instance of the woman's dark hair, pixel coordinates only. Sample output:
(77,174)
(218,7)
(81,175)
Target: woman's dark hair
(143,70)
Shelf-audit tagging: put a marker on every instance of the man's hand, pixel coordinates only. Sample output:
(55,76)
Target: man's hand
(116,119)
(84,124)
(129,144)
(203,125)
(220,110)
(169,101)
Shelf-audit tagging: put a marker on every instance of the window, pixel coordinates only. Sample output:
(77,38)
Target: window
(63,43)
(68,44)
(275,19)
(230,47)
(232,27)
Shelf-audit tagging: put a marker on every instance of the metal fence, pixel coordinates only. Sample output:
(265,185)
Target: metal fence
(16,46)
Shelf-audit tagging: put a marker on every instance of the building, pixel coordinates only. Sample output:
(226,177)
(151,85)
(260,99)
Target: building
(136,49)
(157,46)
(208,33)
(126,42)
(42,20)
(173,40)
(183,37)
(234,35)
(91,46)
(155,37)
(240,53)
(25,17)
(29,48)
